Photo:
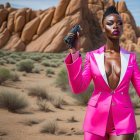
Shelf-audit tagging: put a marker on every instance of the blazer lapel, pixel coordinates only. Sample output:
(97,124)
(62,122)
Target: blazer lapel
(99,57)
(124,64)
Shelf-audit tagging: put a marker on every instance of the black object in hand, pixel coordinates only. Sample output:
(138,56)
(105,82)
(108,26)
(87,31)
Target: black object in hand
(70,40)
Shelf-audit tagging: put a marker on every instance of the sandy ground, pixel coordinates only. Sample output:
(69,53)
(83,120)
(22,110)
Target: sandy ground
(13,126)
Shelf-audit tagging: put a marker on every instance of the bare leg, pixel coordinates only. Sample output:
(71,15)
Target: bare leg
(122,137)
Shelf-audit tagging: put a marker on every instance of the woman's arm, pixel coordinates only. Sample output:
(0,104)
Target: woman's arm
(79,78)
(136,75)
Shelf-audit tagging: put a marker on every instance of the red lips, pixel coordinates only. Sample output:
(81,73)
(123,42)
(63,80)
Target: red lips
(116,32)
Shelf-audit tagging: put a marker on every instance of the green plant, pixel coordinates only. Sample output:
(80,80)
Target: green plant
(12,101)
(136,137)
(50,71)
(10,61)
(4,75)
(46,63)
(25,65)
(36,57)
(62,79)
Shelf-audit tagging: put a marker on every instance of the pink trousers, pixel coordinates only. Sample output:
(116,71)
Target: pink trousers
(110,130)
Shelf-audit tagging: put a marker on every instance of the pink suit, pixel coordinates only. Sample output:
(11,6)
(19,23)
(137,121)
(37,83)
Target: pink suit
(103,96)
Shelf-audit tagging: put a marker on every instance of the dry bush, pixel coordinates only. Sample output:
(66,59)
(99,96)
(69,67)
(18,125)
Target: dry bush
(62,79)
(57,102)
(25,65)
(49,71)
(38,91)
(50,127)
(4,75)
(12,101)
(14,77)
(43,105)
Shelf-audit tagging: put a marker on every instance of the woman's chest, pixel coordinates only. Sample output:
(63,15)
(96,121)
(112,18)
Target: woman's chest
(112,65)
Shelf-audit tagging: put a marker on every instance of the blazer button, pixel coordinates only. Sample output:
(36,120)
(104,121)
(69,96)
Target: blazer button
(121,92)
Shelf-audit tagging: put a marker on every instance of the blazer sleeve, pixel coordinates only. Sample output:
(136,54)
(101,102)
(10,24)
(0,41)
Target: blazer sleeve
(79,77)
(136,75)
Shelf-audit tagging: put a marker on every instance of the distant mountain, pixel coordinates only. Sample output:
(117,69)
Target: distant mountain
(43,30)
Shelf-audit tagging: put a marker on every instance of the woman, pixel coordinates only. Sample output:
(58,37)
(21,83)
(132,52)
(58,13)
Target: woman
(110,113)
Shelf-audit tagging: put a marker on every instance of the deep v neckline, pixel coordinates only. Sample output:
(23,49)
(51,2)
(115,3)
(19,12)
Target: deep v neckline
(105,70)
(99,57)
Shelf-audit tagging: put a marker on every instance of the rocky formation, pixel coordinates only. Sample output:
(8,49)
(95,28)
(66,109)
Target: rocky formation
(44,30)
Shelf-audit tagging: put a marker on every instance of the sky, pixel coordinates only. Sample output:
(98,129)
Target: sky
(133,5)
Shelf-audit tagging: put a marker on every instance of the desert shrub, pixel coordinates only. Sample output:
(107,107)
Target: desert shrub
(25,65)
(38,91)
(36,69)
(84,96)
(54,64)
(46,63)
(136,136)
(13,55)
(50,71)
(2,62)
(50,63)
(62,79)
(4,75)
(36,57)
(10,61)
(43,105)
(57,102)
(2,53)
(12,101)
(50,127)
(14,76)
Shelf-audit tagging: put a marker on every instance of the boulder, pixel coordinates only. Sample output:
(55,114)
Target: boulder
(45,22)
(10,24)
(60,11)
(122,6)
(3,15)
(73,7)
(30,30)
(4,37)
(19,23)
(3,27)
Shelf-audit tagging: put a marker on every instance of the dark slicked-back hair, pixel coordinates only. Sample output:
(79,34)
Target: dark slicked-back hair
(110,10)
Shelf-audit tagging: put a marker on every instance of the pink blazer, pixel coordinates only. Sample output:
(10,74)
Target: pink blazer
(97,110)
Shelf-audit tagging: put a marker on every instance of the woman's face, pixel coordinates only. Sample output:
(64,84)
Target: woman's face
(113,26)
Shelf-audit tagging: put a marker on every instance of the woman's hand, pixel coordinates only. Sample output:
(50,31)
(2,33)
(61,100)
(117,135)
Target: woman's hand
(75,44)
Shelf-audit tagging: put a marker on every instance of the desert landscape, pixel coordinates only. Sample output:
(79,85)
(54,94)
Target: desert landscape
(36,101)
(35,98)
